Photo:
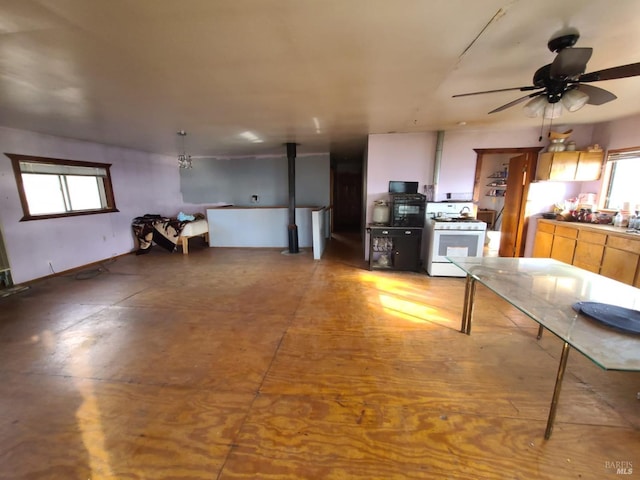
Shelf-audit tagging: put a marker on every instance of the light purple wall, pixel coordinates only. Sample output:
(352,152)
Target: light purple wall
(142,183)
(410,156)
(459,158)
(623,133)
(402,156)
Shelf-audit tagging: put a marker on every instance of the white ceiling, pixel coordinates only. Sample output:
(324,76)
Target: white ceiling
(322,73)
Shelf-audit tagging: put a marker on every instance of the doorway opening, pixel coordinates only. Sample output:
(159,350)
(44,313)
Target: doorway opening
(501,187)
(346,193)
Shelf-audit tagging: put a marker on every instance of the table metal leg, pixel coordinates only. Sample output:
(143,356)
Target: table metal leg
(465,305)
(467,309)
(556,391)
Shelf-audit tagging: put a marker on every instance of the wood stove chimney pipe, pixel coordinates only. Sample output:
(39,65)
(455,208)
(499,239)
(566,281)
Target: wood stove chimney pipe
(292,229)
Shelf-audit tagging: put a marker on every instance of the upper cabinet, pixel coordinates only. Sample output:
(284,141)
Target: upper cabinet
(570,166)
(589,166)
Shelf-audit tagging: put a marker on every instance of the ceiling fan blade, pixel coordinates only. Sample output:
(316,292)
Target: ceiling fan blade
(570,62)
(597,96)
(522,89)
(622,71)
(515,102)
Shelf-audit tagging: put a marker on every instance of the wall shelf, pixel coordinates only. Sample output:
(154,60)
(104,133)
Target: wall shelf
(498,175)
(498,184)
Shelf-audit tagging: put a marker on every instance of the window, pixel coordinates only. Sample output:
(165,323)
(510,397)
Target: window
(621,178)
(51,188)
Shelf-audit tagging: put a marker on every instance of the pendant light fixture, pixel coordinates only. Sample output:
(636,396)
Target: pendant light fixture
(535,107)
(553,110)
(572,100)
(184,160)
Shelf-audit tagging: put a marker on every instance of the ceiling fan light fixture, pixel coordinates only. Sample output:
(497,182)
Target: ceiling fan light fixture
(560,83)
(535,107)
(573,100)
(553,110)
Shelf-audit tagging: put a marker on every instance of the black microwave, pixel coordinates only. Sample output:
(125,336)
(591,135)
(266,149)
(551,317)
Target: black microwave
(407,210)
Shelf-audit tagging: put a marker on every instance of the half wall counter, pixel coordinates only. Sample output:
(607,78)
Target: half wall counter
(258,226)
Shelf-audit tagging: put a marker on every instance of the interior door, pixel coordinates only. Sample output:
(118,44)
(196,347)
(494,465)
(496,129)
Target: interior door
(347,201)
(514,225)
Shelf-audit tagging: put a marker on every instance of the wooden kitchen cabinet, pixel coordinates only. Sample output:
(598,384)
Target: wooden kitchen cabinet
(564,244)
(602,249)
(563,165)
(569,166)
(589,166)
(544,240)
(589,250)
(394,248)
(620,259)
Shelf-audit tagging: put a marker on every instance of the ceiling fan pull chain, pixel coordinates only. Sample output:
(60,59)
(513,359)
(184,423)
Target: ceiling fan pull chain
(550,127)
(541,129)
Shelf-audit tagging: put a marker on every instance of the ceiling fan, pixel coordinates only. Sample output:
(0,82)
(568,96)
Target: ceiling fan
(563,82)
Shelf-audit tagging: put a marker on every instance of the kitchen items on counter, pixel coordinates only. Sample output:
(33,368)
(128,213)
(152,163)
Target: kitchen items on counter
(458,197)
(585,215)
(557,140)
(603,218)
(587,200)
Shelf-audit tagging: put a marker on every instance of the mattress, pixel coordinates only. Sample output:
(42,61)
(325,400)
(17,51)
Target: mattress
(197,227)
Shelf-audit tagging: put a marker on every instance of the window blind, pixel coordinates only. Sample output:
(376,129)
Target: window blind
(52,169)
(623,155)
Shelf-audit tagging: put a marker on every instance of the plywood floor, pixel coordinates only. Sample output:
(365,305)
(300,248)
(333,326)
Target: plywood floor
(251,364)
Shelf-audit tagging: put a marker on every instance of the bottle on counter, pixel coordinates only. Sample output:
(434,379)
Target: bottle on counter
(617,220)
(625,219)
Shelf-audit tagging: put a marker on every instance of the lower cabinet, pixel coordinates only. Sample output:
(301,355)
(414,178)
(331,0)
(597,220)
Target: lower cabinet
(394,248)
(609,254)
(620,259)
(564,244)
(589,250)
(544,240)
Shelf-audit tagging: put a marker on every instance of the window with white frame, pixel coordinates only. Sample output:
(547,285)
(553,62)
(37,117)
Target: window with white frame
(50,187)
(622,174)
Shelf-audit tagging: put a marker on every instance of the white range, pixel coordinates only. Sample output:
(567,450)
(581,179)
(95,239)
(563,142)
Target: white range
(451,230)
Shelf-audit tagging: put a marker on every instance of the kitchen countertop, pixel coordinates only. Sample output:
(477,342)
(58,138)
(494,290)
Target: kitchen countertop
(608,229)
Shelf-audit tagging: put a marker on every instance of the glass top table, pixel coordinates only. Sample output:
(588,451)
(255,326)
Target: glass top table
(545,290)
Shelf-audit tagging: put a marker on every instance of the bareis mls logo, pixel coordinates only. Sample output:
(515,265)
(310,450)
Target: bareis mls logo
(621,468)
